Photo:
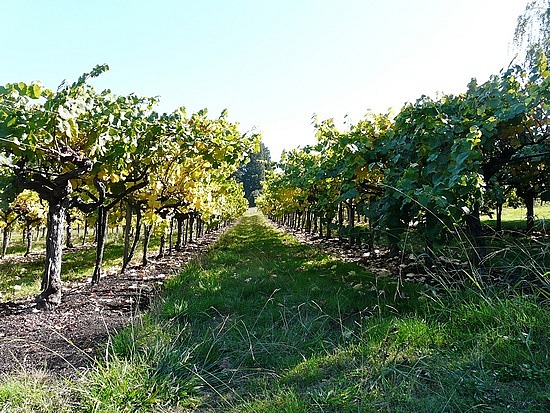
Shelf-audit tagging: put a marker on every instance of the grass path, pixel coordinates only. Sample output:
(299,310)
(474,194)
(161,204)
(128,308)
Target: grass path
(264,324)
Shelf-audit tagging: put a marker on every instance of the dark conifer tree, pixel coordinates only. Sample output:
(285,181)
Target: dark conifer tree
(253,173)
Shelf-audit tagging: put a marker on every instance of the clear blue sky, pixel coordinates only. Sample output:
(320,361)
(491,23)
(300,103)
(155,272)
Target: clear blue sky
(272,64)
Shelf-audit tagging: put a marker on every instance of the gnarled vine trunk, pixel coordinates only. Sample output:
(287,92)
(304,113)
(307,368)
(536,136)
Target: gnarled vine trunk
(51,279)
(148,229)
(85,235)
(5,239)
(529,199)
(180,220)
(162,245)
(499,217)
(28,239)
(101,234)
(130,246)
(191,223)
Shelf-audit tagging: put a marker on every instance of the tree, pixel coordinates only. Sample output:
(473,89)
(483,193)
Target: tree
(252,173)
(532,34)
(56,147)
(511,111)
(41,143)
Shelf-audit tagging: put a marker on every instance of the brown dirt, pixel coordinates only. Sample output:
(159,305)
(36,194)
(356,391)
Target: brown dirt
(68,339)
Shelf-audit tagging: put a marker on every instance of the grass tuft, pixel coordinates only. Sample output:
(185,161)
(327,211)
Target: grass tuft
(35,392)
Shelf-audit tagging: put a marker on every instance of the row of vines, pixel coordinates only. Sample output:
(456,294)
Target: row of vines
(76,156)
(435,166)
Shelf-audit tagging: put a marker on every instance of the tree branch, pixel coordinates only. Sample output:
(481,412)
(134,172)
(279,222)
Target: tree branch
(83,167)
(88,207)
(124,193)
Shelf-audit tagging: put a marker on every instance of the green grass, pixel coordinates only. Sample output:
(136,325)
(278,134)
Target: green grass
(514,219)
(21,278)
(262,323)
(517,257)
(34,393)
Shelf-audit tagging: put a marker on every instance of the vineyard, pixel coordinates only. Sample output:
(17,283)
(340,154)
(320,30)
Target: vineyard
(96,160)
(419,181)
(381,271)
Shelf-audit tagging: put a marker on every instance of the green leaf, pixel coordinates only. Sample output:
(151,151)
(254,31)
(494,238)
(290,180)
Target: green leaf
(35,91)
(73,128)
(22,87)
(433,156)
(461,157)
(351,194)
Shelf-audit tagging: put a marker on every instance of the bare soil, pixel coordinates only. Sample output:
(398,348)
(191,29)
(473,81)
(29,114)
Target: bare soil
(68,339)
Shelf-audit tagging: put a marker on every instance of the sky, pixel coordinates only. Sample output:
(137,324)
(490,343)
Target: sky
(272,64)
